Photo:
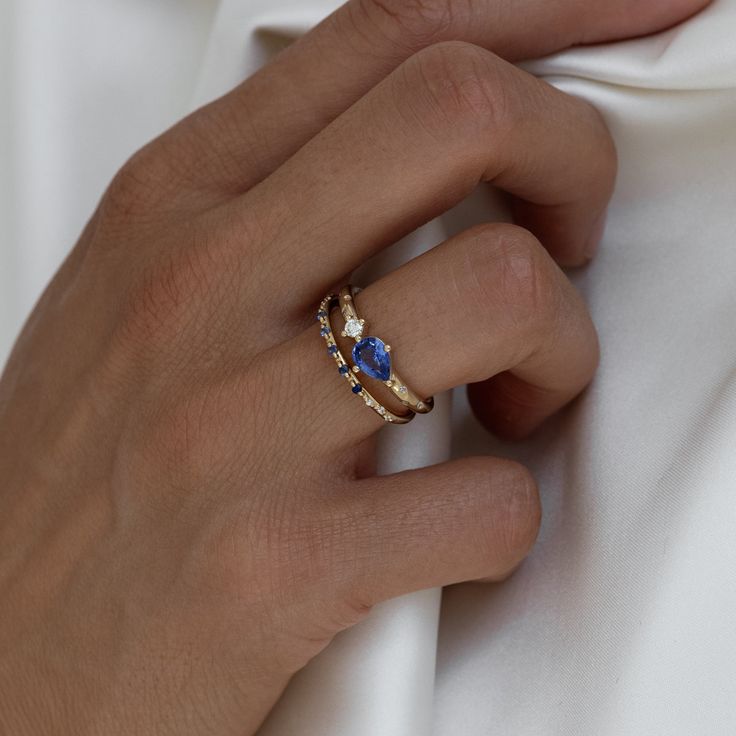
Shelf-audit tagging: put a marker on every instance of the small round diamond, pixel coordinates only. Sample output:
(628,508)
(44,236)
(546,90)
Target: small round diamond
(381,410)
(353,328)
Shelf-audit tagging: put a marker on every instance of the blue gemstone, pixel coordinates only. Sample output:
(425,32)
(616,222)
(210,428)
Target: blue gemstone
(357,388)
(332,349)
(321,314)
(371,357)
(324,331)
(344,369)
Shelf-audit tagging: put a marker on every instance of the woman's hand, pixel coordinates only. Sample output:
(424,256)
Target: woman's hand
(187,511)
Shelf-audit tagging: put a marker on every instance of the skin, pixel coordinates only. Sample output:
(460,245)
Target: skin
(188,511)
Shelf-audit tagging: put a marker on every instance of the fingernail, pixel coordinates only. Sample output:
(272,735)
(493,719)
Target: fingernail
(596,233)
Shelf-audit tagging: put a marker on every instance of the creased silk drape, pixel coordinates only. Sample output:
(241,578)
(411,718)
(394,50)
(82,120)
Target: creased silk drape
(621,622)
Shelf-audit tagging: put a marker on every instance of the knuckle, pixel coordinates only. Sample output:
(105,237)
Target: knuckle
(456,86)
(162,178)
(134,190)
(523,283)
(506,511)
(605,164)
(517,512)
(510,273)
(594,142)
(411,23)
(159,302)
(522,511)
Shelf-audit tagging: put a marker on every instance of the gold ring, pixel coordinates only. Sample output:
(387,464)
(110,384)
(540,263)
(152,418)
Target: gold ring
(373,357)
(323,317)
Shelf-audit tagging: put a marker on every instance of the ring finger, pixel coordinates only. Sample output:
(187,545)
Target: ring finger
(489,302)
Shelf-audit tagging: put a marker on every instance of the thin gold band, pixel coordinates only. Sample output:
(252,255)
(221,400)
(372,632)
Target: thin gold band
(323,317)
(354,328)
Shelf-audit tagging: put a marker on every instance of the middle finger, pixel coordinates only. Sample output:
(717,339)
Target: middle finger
(452,116)
(245,135)
(489,302)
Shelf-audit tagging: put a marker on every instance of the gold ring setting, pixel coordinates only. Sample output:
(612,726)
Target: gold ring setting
(370,356)
(373,357)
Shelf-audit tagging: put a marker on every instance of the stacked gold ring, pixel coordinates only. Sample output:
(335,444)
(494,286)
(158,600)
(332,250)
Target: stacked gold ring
(371,356)
(323,317)
(377,362)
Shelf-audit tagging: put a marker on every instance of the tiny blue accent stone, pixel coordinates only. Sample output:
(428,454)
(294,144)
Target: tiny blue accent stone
(321,314)
(332,349)
(371,357)
(324,331)
(357,388)
(344,369)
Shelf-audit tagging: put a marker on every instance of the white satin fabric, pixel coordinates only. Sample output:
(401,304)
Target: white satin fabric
(621,621)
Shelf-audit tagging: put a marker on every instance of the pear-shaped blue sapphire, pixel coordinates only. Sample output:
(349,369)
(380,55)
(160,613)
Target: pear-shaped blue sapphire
(371,357)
